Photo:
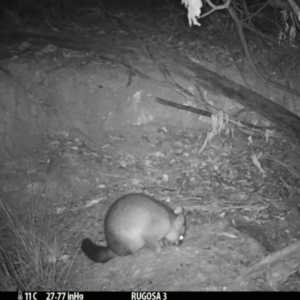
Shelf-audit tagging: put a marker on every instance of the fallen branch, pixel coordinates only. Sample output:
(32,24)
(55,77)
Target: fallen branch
(276,268)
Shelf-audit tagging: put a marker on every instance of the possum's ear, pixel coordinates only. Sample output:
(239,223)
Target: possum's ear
(178,210)
(179,221)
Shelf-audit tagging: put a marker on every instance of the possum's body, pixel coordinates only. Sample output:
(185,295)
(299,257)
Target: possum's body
(134,221)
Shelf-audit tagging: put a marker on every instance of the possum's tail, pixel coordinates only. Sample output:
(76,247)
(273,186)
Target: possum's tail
(98,254)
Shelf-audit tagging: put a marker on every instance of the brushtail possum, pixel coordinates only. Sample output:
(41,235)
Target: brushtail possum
(133,222)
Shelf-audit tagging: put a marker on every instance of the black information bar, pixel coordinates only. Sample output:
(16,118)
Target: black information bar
(93,295)
(102,295)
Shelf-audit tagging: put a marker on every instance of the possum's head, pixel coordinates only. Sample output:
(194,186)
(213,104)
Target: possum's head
(177,232)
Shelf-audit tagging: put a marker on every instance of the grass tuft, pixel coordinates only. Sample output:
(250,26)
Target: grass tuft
(31,254)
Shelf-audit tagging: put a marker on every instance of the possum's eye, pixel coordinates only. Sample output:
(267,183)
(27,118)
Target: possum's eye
(180,240)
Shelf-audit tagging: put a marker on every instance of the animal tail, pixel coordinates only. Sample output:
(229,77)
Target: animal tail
(96,253)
